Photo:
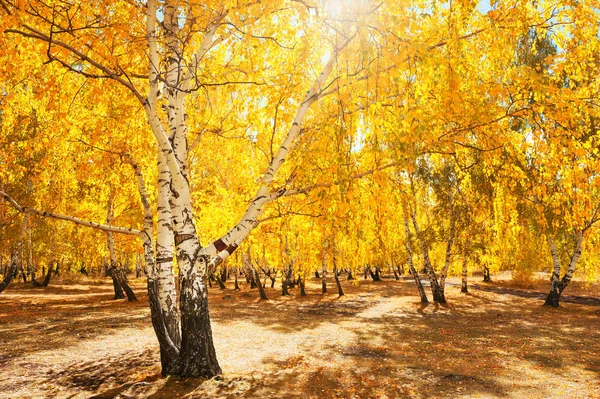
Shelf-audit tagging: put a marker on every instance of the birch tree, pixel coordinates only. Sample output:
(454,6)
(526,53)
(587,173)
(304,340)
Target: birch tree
(177,48)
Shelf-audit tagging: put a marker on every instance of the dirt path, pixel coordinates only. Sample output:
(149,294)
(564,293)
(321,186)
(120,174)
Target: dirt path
(72,341)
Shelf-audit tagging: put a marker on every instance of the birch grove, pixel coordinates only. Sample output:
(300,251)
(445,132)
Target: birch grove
(352,136)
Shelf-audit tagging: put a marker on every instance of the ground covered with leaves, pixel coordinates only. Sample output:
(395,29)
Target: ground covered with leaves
(71,340)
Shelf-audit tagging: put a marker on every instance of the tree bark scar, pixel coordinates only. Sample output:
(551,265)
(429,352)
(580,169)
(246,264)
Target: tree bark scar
(232,248)
(179,238)
(220,245)
(164,260)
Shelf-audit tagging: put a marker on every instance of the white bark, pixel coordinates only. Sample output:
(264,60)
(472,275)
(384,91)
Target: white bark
(110,238)
(575,257)
(555,260)
(449,244)
(164,241)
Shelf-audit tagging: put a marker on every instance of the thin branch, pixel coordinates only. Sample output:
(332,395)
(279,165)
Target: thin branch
(103,227)
(307,189)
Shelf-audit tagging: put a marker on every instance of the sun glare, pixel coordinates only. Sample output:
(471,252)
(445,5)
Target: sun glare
(341,9)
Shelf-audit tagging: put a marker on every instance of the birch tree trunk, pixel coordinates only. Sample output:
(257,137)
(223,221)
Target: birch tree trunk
(110,243)
(411,266)
(433,281)
(557,285)
(464,284)
(324,269)
(444,273)
(336,275)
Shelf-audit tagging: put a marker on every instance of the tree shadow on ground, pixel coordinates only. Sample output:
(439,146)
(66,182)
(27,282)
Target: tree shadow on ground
(581,300)
(378,341)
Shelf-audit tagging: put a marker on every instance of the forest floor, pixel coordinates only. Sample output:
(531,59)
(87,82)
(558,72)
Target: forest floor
(70,340)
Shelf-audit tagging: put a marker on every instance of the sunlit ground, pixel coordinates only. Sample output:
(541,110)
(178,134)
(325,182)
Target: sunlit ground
(72,341)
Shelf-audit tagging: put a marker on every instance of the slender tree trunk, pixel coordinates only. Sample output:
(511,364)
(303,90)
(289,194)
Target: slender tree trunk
(8,275)
(110,243)
(436,291)
(302,286)
(464,288)
(224,273)
(256,277)
(82,269)
(374,276)
(557,286)
(411,266)
(486,274)
(261,288)
(285,281)
(220,282)
(48,275)
(350,276)
(447,262)
(236,285)
(324,269)
(337,276)
(138,266)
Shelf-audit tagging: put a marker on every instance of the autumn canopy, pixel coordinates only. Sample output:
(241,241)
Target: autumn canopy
(288,137)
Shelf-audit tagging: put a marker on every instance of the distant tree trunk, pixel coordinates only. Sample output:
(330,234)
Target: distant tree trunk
(220,282)
(48,275)
(375,276)
(106,268)
(138,266)
(286,280)
(447,262)
(486,274)
(224,273)
(284,286)
(256,278)
(350,276)
(302,286)
(324,270)
(317,274)
(236,286)
(30,265)
(57,268)
(557,286)
(119,294)
(268,273)
(23,275)
(122,280)
(464,288)
(411,266)
(82,269)
(9,274)
(438,295)
(395,273)
(119,278)
(337,276)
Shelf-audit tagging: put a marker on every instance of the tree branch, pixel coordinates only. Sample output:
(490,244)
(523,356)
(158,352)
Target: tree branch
(103,227)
